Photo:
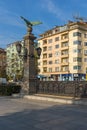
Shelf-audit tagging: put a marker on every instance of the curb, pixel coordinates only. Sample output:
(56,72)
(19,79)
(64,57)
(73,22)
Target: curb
(58,100)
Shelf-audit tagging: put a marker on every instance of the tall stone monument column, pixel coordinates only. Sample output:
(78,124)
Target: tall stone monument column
(29,80)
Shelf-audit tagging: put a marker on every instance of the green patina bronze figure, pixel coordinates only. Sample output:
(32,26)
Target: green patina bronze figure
(30,24)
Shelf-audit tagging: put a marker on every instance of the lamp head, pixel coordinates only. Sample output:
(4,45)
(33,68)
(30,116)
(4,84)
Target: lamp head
(18,48)
(39,51)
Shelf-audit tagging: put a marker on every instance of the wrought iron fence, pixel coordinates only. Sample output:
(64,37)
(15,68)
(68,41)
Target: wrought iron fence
(63,88)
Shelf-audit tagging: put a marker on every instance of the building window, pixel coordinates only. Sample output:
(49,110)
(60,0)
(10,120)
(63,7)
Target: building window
(85,43)
(50,69)
(57,46)
(85,35)
(56,39)
(85,52)
(66,52)
(65,36)
(45,62)
(65,68)
(44,48)
(50,55)
(45,69)
(85,59)
(64,44)
(56,69)
(77,67)
(76,34)
(50,48)
(49,40)
(77,50)
(56,53)
(44,42)
(56,30)
(44,55)
(77,59)
(77,42)
(56,61)
(50,62)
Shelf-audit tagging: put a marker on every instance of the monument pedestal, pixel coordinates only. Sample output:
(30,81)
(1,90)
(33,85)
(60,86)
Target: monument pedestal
(29,79)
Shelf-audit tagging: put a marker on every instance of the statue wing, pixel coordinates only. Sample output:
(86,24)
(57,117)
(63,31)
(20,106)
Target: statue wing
(36,23)
(26,21)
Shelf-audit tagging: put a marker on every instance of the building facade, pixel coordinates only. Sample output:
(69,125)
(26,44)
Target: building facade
(2,63)
(15,67)
(64,52)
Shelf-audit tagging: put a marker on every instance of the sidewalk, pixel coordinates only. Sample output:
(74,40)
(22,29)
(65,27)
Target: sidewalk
(58,99)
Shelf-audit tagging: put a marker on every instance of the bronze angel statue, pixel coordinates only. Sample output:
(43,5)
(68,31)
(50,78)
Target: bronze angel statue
(30,24)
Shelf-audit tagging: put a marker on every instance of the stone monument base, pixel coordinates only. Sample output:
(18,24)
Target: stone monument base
(28,87)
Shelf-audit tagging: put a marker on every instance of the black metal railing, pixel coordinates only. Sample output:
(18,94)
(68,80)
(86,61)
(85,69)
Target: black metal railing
(63,88)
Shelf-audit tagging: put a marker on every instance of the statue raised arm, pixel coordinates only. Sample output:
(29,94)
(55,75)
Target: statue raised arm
(30,24)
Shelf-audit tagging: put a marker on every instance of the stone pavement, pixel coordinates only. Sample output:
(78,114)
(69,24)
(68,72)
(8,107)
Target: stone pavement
(26,114)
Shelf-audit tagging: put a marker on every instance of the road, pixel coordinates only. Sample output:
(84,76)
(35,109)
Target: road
(25,114)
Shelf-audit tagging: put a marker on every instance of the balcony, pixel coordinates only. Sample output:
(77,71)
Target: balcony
(64,55)
(64,37)
(64,63)
(64,48)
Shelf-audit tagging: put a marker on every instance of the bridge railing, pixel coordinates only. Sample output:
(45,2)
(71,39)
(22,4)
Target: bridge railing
(63,88)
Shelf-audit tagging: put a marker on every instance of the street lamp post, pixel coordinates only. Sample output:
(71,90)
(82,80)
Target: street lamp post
(25,53)
(29,77)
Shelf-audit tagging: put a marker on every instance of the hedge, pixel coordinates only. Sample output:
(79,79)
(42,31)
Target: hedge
(9,89)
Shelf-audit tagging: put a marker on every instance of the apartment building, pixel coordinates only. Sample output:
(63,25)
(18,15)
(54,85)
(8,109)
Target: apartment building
(64,52)
(15,67)
(2,63)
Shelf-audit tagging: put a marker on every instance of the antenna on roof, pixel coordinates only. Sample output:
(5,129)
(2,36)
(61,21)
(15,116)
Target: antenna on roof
(77,17)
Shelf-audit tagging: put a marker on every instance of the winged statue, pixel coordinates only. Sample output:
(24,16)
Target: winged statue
(30,24)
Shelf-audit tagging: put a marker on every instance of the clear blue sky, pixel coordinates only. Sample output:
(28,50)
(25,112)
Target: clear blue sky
(50,12)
